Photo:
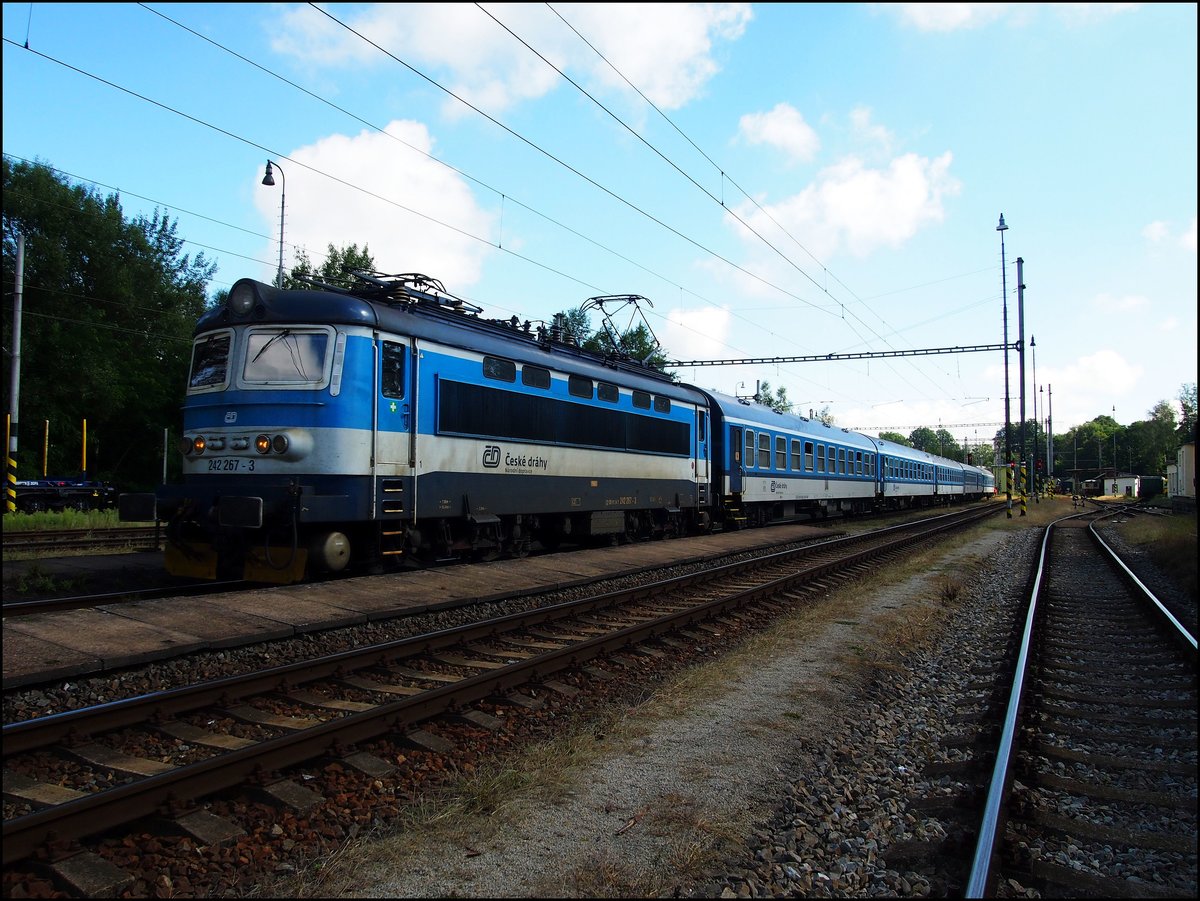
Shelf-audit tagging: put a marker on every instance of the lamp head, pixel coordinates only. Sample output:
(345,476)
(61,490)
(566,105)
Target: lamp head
(1001,227)
(269,178)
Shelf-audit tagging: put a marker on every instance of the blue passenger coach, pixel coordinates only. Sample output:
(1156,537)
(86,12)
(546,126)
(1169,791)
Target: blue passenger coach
(778,465)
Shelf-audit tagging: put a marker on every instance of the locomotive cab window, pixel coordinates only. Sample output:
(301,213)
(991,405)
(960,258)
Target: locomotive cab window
(392,371)
(286,357)
(210,363)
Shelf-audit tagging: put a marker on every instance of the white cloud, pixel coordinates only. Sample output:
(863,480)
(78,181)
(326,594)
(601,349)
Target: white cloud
(946,17)
(696,334)
(866,130)
(1155,231)
(1158,231)
(1107,303)
(321,211)
(862,209)
(666,50)
(1188,238)
(950,16)
(782,127)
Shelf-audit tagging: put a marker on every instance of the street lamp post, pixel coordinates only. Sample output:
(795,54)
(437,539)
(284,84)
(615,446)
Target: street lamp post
(1002,228)
(269,181)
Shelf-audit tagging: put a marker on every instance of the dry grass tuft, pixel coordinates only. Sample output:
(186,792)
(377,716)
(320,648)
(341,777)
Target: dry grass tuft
(1170,542)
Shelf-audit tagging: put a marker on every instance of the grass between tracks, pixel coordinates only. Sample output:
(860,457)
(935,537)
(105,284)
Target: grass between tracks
(1170,541)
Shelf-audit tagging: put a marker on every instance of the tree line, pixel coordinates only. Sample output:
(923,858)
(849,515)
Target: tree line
(110,304)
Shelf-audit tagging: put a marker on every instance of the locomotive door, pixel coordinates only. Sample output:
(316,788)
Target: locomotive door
(735,460)
(394,428)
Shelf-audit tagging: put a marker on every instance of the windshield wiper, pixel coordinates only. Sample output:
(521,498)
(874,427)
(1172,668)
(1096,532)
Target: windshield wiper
(263,350)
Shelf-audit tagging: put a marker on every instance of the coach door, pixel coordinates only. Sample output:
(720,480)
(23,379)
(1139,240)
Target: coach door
(395,418)
(735,460)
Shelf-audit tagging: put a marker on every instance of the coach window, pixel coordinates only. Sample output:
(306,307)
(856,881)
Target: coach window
(607,392)
(535,376)
(797,458)
(503,370)
(808,456)
(841,461)
(641,399)
(781,453)
(858,468)
(764,450)
(392,376)
(820,458)
(701,426)
(749,455)
(578,386)
(662,404)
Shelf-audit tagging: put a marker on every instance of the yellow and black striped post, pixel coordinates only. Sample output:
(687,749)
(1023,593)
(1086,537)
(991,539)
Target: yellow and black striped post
(10,469)
(1022,487)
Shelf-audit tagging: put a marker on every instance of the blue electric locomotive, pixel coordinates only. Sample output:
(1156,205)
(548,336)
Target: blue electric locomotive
(325,426)
(392,422)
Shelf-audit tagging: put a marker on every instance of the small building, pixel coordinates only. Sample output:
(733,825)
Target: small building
(1114,483)
(1181,477)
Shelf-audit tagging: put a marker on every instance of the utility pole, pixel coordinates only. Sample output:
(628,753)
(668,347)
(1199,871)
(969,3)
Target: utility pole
(1002,228)
(1021,351)
(10,452)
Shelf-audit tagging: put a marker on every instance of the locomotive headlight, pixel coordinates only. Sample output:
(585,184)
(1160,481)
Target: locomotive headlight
(241,299)
(185,446)
(279,444)
(199,444)
(262,444)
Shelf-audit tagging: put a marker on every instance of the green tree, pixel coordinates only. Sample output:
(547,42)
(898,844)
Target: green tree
(339,263)
(637,342)
(923,438)
(946,446)
(108,313)
(1187,402)
(777,401)
(895,438)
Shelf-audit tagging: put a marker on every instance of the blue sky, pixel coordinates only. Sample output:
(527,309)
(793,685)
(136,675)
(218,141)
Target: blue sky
(777,180)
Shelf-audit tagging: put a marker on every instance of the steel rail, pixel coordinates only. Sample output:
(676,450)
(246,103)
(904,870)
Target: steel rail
(104,810)
(980,878)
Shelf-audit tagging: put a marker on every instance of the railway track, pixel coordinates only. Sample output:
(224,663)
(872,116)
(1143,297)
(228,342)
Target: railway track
(1094,791)
(61,540)
(170,750)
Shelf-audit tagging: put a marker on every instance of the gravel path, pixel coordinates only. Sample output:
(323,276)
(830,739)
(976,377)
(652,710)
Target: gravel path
(810,753)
